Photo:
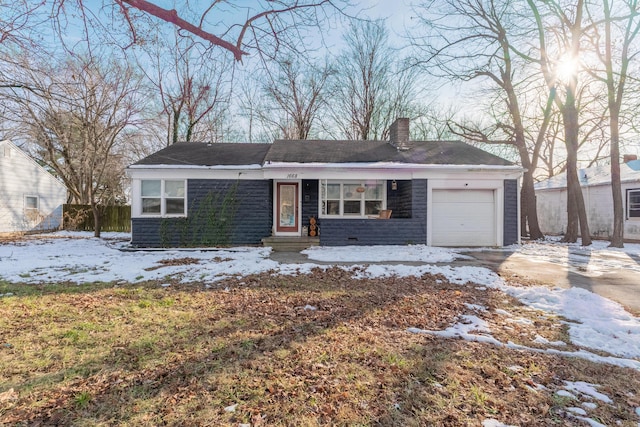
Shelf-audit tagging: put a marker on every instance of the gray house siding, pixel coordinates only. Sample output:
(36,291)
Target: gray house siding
(310,188)
(400,200)
(510,234)
(220,212)
(393,231)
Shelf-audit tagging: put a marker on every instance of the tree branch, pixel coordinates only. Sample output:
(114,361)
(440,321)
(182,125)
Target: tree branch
(172,17)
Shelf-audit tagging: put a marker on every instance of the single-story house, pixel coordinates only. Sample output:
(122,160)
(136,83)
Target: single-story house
(31,198)
(551,196)
(440,193)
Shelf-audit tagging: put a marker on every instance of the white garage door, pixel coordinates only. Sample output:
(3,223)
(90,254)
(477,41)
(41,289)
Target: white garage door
(463,218)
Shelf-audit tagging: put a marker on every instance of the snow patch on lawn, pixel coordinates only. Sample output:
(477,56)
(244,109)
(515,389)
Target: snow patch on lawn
(594,322)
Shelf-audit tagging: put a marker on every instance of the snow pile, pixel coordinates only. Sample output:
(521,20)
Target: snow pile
(383,253)
(597,322)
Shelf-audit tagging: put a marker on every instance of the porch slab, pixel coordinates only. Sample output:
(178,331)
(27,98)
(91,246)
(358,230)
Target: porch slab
(290,243)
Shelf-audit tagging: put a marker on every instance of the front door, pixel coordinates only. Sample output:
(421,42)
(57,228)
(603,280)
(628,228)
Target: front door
(287,219)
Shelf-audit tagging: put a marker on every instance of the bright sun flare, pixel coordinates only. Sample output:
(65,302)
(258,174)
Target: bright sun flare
(566,68)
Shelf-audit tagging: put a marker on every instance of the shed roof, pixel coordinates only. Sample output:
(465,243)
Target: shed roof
(595,175)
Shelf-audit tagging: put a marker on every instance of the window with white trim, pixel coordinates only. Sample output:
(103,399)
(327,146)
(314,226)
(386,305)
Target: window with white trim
(163,197)
(633,203)
(31,202)
(352,198)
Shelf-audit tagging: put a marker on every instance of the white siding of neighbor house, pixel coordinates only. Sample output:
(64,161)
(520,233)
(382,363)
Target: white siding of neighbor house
(552,211)
(21,176)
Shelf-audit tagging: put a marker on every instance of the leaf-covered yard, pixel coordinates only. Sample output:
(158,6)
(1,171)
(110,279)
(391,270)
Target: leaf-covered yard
(311,349)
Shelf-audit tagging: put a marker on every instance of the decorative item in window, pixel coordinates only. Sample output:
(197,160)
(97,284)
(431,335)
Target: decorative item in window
(360,189)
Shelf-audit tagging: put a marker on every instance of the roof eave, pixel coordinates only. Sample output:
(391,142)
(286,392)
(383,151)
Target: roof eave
(210,167)
(391,165)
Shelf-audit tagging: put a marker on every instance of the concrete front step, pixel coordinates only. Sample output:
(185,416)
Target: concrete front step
(290,244)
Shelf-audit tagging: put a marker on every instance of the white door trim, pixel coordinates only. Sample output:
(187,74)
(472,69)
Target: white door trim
(298,208)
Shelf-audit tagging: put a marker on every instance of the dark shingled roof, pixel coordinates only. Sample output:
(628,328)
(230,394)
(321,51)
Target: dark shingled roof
(201,154)
(419,152)
(321,151)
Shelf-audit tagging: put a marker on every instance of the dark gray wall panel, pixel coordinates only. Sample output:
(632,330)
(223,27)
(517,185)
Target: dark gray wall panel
(310,195)
(510,212)
(400,200)
(220,212)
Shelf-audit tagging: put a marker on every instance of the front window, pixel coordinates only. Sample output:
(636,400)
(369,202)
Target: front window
(633,203)
(151,191)
(163,197)
(352,198)
(174,197)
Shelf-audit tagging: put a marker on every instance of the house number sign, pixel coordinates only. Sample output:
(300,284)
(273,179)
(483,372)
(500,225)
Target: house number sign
(292,176)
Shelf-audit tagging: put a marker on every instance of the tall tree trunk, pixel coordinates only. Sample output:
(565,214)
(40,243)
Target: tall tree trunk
(176,119)
(97,219)
(571,234)
(189,132)
(614,101)
(576,211)
(529,206)
(617,238)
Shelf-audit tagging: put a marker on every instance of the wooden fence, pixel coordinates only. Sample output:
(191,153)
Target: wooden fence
(80,218)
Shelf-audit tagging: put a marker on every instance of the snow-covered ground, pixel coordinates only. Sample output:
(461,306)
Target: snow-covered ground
(596,322)
(80,258)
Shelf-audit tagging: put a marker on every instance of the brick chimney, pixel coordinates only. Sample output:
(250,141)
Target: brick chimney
(629,157)
(399,134)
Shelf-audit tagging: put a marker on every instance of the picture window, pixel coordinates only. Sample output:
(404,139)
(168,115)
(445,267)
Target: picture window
(356,199)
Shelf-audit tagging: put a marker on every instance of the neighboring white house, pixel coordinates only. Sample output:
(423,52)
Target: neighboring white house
(31,198)
(596,187)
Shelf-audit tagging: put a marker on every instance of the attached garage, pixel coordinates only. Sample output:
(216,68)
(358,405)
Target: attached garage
(463,218)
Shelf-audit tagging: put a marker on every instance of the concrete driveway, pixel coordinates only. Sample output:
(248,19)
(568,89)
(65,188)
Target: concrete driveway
(618,284)
(607,279)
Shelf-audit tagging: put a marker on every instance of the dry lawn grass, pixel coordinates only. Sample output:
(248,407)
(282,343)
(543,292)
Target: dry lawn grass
(306,350)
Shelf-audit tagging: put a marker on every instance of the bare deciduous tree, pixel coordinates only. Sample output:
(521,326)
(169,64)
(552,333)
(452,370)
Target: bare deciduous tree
(569,35)
(471,40)
(612,40)
(193,86)
(371,87)
(262,25)
(78,113)
(433,122)
(18,21)
(295,93)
